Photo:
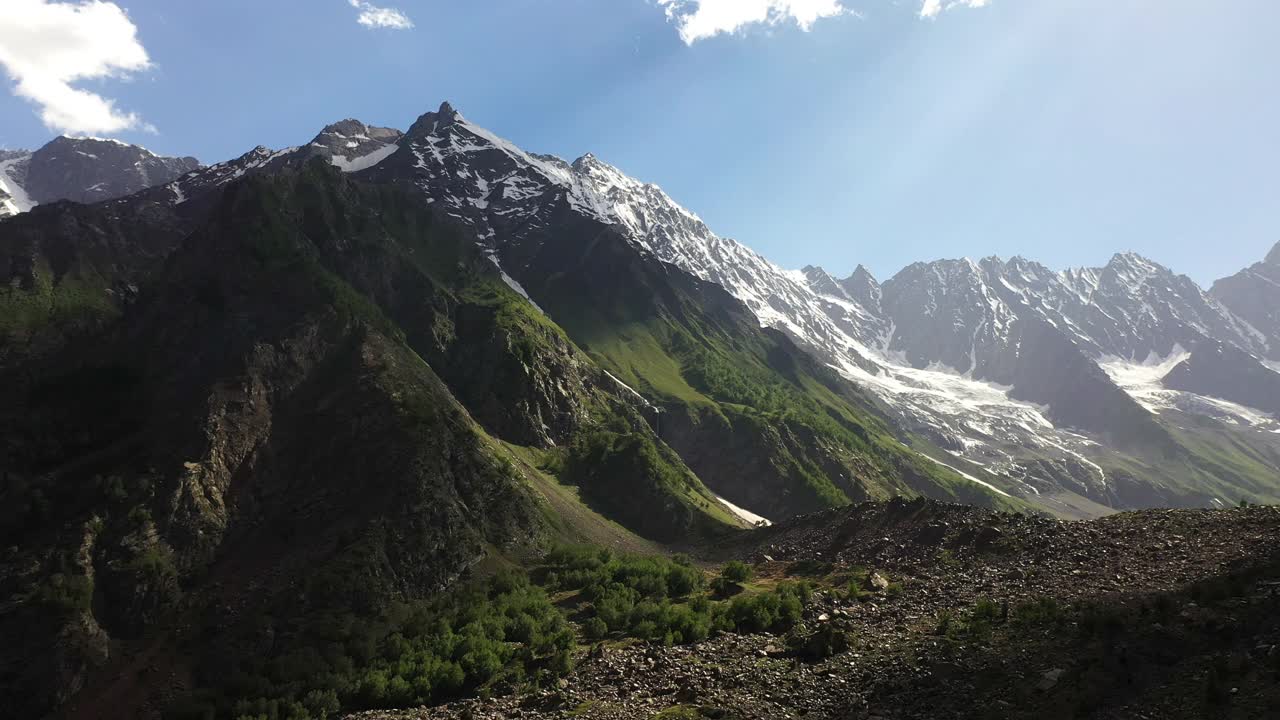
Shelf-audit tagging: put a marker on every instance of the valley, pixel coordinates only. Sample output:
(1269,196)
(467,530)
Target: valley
(392,419)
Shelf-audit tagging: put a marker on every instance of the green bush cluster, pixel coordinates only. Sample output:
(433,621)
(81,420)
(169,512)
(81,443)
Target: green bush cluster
(664,599)
(66,593)
(421,653)
(505,632)
(736,571)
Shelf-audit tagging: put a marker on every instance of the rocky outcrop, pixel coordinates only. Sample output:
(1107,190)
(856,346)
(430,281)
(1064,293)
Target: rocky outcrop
(1224,371)
(1254,294)
(89,170)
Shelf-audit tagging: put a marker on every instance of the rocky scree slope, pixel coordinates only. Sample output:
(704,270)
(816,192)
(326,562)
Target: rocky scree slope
(956,612)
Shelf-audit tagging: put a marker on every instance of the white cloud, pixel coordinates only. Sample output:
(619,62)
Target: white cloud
(701,19)
(47,46)
(934,8)
(372,16)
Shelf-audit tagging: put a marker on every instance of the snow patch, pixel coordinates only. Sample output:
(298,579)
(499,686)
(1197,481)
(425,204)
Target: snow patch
(744,514)
(513,284)
(968,477)
(18,200)
(363,162)
(1144,381)
(627,387)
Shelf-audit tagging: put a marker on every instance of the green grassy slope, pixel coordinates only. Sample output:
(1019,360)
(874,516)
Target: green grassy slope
(759,420)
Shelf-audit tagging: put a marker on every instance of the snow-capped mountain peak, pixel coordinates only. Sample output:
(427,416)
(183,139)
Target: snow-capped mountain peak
(351,146)
(823,284)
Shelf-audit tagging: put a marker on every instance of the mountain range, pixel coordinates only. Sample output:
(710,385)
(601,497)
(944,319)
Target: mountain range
(348,372)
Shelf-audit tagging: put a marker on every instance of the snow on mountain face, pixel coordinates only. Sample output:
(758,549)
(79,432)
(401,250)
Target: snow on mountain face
(504,193)
(89,170)
(1138,308)
(501,190)
(349,145)
(13,172)
(1254,295)
(947,313)
(863,288)
(1132,317)
(934,344)
(207,179)
(353,146)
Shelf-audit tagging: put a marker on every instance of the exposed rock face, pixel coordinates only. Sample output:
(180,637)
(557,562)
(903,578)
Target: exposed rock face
(1224,371)
(864,289)
(946,312)
(1254,295)
(352,146)
(88,170)
(13,173)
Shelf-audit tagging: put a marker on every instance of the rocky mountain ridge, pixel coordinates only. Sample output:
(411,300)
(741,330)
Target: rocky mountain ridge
(83,170)
(944,346)
(380,364)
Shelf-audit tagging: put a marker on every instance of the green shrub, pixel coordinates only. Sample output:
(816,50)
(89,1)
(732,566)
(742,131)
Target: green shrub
(595,628)
(415,653)
(736,571)
(66,593)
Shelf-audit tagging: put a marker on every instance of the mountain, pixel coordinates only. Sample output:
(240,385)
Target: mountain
(150,491)
(1254,295)
(83,170)
(691,350)
(163,500)
(266,424)
(1223,371)
(1037,383)
(13,168)
(1026,438)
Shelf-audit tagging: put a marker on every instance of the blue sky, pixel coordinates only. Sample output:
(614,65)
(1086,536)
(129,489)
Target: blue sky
(1061,131)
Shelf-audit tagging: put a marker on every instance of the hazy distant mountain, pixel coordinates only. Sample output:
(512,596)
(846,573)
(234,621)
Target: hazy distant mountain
(84,170)
(1254,295)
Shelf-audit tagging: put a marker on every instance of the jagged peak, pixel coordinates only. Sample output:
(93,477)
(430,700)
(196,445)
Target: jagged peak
(1273,258)
(589,163)
(862,286)
(430,122)
(861,273)
(816,271)
(821,282)
(1133,261)
(351,133)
